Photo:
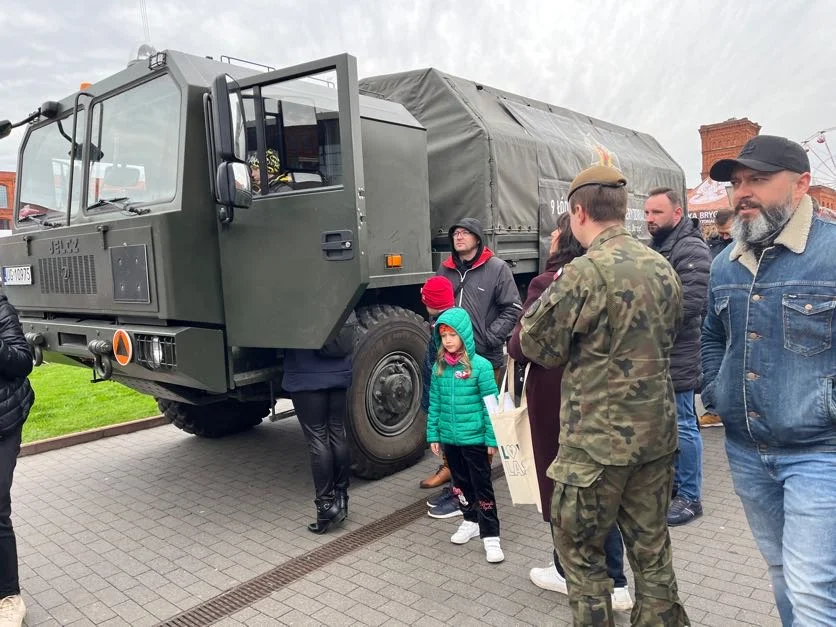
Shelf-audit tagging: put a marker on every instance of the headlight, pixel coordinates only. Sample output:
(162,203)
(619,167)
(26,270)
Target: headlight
(155,354)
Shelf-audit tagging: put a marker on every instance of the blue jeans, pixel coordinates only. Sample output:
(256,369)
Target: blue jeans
(790,502)
(688,477)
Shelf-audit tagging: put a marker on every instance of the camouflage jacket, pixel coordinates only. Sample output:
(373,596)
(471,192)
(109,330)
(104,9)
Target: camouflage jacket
(611,317)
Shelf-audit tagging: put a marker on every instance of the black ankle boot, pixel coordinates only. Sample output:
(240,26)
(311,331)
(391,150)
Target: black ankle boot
(342,500)
(327,513)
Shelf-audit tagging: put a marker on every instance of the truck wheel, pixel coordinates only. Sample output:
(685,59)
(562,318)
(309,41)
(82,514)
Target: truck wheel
(386,426)
(214,420)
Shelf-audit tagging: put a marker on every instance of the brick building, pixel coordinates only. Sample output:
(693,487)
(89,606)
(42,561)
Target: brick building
(826,196)
(724,140)
(7,199)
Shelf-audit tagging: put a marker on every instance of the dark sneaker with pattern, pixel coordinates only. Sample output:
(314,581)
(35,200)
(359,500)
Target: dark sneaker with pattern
(448,508)
(434,500)
(683,511)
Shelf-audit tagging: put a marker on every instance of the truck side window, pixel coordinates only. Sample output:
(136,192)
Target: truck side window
(300,119)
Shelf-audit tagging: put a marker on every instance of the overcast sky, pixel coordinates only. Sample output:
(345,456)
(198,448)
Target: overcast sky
(657,66)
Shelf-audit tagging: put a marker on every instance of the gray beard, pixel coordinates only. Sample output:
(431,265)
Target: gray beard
(762,230)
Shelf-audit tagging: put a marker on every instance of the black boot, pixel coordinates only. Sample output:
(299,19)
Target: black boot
(327,513)
(342,500)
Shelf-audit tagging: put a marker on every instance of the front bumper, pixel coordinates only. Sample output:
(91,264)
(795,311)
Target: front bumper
(191,357)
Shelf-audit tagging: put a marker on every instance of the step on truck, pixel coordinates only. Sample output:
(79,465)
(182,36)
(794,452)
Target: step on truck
(178,224)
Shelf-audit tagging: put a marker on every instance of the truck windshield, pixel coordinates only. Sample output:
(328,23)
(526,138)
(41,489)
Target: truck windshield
(137,135)
(45,172)
(133,155)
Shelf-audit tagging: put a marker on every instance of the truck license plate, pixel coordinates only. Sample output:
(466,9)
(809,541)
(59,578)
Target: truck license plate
(17,275)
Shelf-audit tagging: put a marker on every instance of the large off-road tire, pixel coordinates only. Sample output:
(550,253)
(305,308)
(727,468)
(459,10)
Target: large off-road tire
(386,427)
(214,420)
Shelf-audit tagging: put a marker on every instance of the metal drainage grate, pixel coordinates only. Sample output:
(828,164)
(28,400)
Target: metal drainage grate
(245,594)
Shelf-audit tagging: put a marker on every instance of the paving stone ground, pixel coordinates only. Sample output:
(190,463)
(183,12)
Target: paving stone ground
(134,529)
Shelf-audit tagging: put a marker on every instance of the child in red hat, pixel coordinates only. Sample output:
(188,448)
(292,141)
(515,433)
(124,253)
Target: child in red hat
(437,296)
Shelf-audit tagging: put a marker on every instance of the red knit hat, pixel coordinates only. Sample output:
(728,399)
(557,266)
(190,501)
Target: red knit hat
(437,293)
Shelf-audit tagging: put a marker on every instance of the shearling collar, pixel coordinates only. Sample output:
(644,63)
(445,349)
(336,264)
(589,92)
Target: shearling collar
(793,236)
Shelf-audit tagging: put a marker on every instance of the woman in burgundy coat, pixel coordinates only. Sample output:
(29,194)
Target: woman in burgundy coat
(543,395)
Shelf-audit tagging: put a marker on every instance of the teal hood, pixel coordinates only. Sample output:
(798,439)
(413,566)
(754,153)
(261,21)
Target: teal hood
(459,319)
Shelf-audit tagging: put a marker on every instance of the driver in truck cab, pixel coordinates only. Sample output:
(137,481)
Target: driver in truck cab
(277,181)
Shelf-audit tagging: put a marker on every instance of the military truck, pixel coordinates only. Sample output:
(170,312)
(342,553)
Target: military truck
(182,221)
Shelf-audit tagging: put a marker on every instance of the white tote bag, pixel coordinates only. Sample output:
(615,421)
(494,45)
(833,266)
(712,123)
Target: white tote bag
(513,438)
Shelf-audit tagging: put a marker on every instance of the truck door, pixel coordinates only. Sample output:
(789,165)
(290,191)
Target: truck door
(294,263)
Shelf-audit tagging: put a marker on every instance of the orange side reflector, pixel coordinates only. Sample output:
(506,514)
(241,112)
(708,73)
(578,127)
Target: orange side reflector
(394,261)
(85,85)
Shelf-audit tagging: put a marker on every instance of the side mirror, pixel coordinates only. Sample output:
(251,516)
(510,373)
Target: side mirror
(234,185)
(229,119)
(5,128)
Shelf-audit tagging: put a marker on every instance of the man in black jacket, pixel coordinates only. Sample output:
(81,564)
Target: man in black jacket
(679,239)
(16,399)
(484,287)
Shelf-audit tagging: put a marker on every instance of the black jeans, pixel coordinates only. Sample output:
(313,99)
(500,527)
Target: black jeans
(614,553)
(9,448)
(322,414)
(471,474)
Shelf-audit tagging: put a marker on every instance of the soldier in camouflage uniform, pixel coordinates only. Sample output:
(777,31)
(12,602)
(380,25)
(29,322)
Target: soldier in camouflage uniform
(611,317)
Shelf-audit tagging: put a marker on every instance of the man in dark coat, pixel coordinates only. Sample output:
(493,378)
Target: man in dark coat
(723,224)
(16,399)
(484,287)
(679,240)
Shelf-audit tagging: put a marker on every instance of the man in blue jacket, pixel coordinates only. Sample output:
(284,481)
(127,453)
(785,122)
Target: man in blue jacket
(770,371)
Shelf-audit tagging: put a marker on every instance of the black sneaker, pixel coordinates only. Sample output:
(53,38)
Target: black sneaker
(683,511)
(448,508)
(438,498)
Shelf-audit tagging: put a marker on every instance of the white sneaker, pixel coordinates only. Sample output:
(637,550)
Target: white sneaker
(12,611)
(466,531)
(493,552)
(548,579)
(621,600)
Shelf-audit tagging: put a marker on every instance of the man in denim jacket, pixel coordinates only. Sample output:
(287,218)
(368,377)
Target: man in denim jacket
(770,368)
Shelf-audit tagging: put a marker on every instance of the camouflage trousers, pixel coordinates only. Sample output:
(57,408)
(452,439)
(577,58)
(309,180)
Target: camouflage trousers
(588,498)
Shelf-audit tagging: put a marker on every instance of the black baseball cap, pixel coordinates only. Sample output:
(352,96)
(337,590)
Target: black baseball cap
(764,153)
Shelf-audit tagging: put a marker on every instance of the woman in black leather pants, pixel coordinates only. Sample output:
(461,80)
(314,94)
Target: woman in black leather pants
(318,383)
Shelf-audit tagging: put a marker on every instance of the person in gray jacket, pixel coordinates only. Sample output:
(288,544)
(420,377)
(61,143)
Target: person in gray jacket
(483,285)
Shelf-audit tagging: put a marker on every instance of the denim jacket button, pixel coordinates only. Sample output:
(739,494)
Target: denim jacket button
(753,414)
(751,376)
(808,307)
(753,336)
(756,297)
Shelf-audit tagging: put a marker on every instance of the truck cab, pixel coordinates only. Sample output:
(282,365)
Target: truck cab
(131,256)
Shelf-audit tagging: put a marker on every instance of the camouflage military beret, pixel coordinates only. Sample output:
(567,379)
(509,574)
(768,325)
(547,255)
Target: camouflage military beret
(597,175)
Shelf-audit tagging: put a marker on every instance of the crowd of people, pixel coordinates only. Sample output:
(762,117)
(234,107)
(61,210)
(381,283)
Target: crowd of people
(619,336)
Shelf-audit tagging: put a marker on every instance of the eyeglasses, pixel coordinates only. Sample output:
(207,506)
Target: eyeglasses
(461,233)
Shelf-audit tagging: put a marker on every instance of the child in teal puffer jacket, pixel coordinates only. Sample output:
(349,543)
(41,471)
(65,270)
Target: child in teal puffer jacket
(458,421)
